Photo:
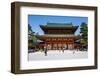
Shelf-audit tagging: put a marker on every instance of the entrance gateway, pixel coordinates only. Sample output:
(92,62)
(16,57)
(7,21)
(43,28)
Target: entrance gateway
(59,35)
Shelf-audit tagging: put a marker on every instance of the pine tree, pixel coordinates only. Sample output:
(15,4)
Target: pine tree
(84,35)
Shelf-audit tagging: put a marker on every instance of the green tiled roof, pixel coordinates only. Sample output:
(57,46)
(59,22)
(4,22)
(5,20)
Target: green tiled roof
(59,25)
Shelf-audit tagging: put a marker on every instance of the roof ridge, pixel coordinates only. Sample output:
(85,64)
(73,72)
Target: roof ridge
(60,23)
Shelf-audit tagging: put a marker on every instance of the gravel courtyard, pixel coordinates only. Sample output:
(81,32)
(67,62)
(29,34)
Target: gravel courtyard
(57,55)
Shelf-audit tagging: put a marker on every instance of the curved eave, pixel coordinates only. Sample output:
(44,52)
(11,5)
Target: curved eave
(43,37)
(44,28)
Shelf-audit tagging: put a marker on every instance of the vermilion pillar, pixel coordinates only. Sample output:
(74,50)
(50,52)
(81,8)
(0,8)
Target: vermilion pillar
(57,42)
(62,43)
(51,42)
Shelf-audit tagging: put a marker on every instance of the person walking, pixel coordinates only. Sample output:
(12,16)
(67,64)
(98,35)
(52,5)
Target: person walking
(45,50)
(63,49)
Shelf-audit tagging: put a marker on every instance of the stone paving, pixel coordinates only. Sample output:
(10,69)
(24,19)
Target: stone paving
(57,55)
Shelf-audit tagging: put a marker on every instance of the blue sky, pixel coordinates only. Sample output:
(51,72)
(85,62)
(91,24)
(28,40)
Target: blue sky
(36,20)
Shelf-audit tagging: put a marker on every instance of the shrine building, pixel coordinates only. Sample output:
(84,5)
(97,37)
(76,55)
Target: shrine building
(59,35)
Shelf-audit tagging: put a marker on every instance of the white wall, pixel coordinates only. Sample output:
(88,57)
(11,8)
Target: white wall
(5,33)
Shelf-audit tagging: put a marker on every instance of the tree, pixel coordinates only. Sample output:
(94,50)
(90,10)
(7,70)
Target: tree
(29,27)
(32,35)
(32,40)
(84,35)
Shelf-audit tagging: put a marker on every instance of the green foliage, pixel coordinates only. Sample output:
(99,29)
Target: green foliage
(29,28)
(84,34)
(34,38)
(31,37)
